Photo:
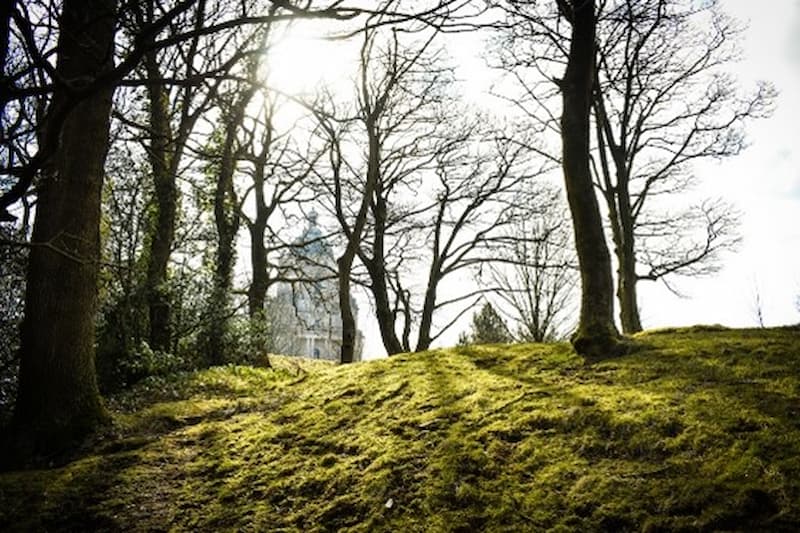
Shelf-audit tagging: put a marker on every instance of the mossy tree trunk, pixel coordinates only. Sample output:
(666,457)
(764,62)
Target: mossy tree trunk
(596,335)
(259,224)
(58,399)
(162,233)
(165,152)
(226,221)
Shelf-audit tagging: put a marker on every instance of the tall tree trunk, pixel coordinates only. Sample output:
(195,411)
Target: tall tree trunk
(626,258)
(162,233)
(620,215)
(626,293)
(345,264)
(58,399)
(226,220)
(257,294)
(377,273)
(426,323)
(165,152)
(596,335)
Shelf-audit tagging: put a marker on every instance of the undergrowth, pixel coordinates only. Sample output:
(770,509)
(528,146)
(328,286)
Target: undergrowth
(698,429)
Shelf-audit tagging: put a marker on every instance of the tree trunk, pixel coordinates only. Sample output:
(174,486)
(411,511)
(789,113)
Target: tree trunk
(345,264)
(377,272)
(226,220)
(626,269)
(58,399)
(162,232)
(383,307)
(620,216)
(596,335)
(626,256)
(626,293)
(257,294)
(435,275)
(227,224)
(426,323)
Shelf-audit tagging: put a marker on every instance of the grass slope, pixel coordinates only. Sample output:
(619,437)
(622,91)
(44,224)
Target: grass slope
(698,430)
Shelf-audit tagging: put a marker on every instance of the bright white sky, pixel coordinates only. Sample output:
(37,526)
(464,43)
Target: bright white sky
(763,182)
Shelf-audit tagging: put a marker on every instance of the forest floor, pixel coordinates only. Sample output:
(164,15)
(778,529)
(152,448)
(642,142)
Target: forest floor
(698,429)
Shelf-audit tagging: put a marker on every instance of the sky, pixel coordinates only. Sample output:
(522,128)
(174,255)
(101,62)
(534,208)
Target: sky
(763,182)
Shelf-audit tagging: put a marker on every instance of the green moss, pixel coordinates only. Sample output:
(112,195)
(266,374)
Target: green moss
(697,429)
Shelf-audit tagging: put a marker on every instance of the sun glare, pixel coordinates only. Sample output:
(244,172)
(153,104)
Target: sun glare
(302,61)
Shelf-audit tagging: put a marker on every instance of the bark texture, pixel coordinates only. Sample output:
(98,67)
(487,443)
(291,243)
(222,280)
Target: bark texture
(596,335)
(162,234)
(58,399)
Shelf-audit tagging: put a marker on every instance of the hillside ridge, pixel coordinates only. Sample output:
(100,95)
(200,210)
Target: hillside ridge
(699,429)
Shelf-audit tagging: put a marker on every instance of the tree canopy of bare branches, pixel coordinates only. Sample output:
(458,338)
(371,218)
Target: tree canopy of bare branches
(661,100)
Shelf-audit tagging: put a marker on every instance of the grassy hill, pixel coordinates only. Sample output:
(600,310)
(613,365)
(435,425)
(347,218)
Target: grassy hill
(699,429)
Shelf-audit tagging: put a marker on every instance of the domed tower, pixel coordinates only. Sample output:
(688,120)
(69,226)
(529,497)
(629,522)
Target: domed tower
(309,309)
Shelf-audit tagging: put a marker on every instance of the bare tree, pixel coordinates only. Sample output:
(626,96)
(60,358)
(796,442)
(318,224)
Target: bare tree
(538,276)
(757,305)
(661,101)
(654,55)
(380,90)
(279,176)
(557,42)
(442,185)
(398,90)
(351,213)
(479,187)
(596,335)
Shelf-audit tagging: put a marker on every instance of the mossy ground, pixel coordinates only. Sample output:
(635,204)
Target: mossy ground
(698,429)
